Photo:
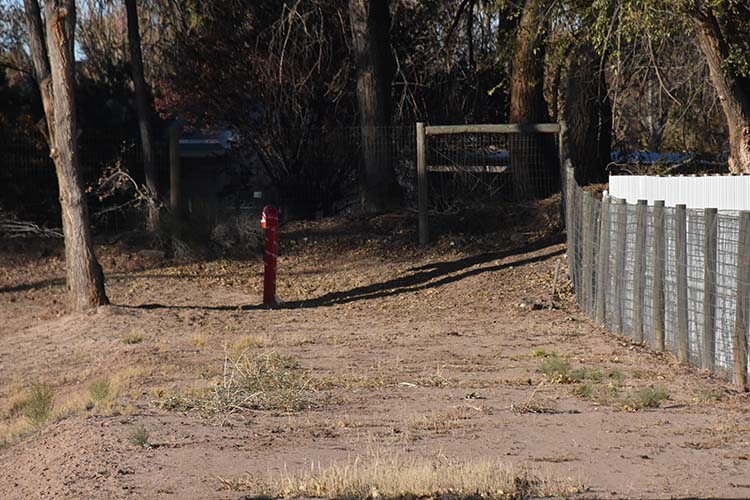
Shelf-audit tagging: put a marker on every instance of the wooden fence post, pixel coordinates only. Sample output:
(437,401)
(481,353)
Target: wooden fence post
(571,229)
(602,268)
(424,234)
(175,171)
(587,232)
(710,237)
(620,248)
(659,263)
(175,183)
(640,269)
(740,322)
(562,139)
(680,248)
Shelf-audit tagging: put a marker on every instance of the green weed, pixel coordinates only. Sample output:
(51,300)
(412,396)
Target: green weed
(38,407)
(100,390)
(648,397)
(140,437)
(556,370)
(584,391)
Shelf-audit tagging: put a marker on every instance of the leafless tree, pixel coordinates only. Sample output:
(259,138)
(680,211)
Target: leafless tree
(143,107)
(370,25)
(531,177)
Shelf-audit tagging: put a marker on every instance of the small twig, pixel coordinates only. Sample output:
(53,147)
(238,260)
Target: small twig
(529,406)
(554,286)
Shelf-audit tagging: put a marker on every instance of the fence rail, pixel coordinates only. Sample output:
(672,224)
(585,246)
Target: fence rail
(677,279)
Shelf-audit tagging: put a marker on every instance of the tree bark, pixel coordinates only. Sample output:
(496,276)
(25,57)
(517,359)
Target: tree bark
(56,76)
(533,164)
(40,61)
(734,91)
(142,102)
(588,114)
(370,24)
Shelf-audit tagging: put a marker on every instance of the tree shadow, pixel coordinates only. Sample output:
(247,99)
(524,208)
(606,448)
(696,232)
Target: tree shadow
(60,282)
(23,287)
(425,277)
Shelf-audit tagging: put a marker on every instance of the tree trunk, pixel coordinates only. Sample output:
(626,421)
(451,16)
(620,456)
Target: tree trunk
(734,91)
(56,75)
(588,113)
(142,100)
(371,23)
(533,162)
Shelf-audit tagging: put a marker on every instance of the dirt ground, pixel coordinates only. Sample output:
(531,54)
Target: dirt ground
(441,354)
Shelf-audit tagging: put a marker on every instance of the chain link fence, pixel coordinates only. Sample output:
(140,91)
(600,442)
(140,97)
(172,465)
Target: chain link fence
(674,278)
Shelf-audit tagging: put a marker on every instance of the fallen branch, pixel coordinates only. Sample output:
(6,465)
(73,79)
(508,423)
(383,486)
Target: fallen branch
(11,227)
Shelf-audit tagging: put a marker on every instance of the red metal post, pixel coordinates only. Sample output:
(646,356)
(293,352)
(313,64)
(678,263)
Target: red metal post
(270,222)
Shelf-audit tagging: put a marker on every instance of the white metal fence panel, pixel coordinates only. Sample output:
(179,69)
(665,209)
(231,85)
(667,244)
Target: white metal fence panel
(723,192)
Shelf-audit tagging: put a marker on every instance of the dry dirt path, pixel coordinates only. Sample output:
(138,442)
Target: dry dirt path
(432,357)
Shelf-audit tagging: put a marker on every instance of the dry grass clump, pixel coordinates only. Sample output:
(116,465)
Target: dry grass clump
(443,423)
(393,478)
(437,379)
(29,408)
(246,343)
(134,337)
(198,341)
(25,410)
(531,405)
(12,430)
(105,394)
(269,381)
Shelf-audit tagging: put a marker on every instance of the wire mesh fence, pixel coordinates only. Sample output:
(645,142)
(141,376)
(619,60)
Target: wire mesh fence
(674,278)
(27,173)
(463,164)
(308,173)
(525,161)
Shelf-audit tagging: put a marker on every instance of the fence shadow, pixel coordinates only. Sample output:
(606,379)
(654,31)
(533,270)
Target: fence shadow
(419,278)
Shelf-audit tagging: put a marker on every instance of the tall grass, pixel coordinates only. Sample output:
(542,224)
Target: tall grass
(394,478)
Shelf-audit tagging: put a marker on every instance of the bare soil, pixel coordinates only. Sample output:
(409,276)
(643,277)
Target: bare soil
(431,354)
